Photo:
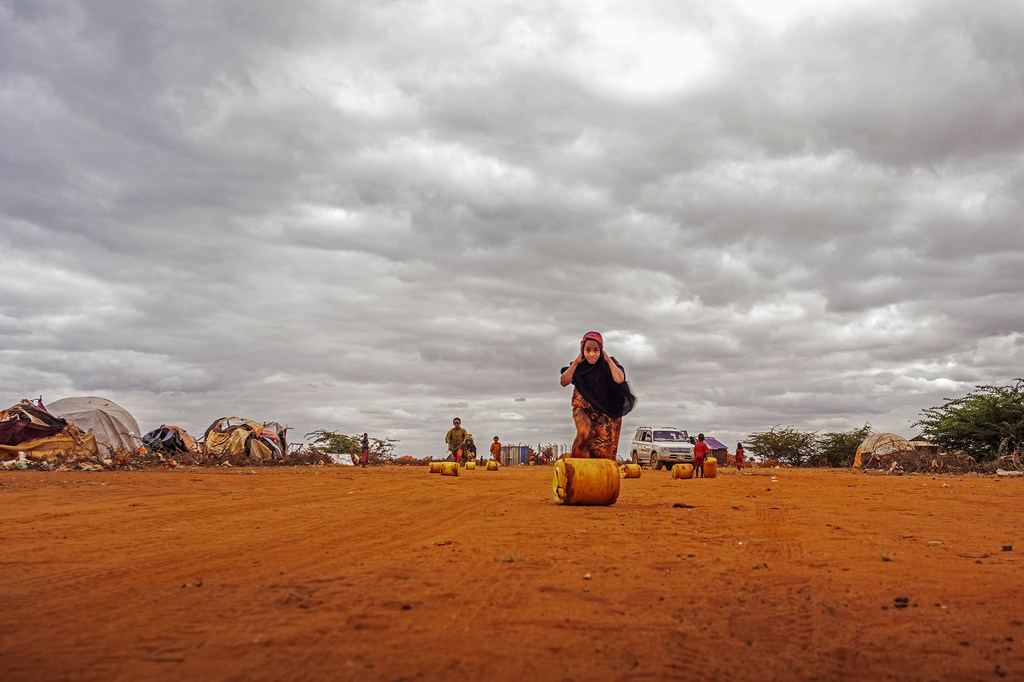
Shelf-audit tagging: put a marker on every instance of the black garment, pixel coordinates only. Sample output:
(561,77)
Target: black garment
(595,384)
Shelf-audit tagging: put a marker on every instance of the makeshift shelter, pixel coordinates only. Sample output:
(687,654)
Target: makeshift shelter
(924,446)
(718,450)
(26,421)
(881,447)
(236,438)
(31,429)
(115,428)
(170,440)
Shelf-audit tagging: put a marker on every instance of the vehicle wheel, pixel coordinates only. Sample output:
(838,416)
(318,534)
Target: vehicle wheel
(655,462)
(634,458)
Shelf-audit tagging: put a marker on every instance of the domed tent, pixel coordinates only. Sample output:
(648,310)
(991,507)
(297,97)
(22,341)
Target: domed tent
(115,428)
(235,438)
(881,447)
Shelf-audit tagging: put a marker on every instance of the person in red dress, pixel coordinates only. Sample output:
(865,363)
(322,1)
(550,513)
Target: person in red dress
(700,453)
(739,456)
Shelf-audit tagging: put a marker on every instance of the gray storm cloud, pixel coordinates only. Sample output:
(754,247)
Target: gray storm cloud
(370,217)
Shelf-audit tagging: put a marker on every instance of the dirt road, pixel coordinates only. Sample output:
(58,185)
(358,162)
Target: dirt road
(393,573)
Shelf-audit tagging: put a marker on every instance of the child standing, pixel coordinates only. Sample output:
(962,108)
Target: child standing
(600,398)
(496,450)
(365,454)
(700,451)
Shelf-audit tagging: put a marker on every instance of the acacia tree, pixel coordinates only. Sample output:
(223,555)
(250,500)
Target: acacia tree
(985,423)
(340,444)
(838,448)
(785,445)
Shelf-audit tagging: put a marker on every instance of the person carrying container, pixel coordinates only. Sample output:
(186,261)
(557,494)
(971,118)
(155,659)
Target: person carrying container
(496,450)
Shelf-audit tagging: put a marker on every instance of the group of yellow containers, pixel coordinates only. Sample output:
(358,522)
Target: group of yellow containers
(596,481)
(586,481)
(687,470)
(453,468)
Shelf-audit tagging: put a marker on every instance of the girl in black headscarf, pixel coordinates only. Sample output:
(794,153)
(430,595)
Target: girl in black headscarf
(600,398)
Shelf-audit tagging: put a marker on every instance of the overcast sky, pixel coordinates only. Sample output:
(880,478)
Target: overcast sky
(377,215)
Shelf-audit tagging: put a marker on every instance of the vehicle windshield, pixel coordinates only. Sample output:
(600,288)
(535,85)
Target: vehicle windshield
(669,435)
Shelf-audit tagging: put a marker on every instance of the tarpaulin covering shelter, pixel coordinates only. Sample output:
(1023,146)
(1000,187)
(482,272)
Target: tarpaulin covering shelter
(233,438)
(40,435)
(881,447)
(26,421)
(718,450)
(170,439)
(115,428)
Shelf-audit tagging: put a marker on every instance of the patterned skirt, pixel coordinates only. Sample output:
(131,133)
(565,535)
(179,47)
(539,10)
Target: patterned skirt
(597,434)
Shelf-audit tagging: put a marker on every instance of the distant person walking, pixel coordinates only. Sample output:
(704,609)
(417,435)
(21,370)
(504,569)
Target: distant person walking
(700,453)
(456,440)
(739,456)
(496,450)
(364,456)
(600,398)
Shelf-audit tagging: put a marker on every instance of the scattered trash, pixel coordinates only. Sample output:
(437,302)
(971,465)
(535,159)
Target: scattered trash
(901,602)
(683,505)
(1004,472)
(586,577)
(1007,548)
(934,543)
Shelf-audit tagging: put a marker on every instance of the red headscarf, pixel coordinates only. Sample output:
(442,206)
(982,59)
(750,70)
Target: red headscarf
(595,383)
(592,336)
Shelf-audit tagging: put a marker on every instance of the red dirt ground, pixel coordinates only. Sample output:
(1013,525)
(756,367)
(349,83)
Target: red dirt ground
(396,574)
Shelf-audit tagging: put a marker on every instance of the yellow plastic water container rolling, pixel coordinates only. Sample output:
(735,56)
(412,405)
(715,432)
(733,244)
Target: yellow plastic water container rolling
(492,466)
(710,467)
(435,467)
(450,468)
(471,465)
(682,471)
(629,471)
(586,481)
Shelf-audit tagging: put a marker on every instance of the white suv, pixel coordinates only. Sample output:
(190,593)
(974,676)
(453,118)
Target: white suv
(659,447)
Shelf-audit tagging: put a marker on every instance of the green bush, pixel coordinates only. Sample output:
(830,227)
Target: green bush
(340,444)
(838,448)
(807,448)
(986,423)
(787,445)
